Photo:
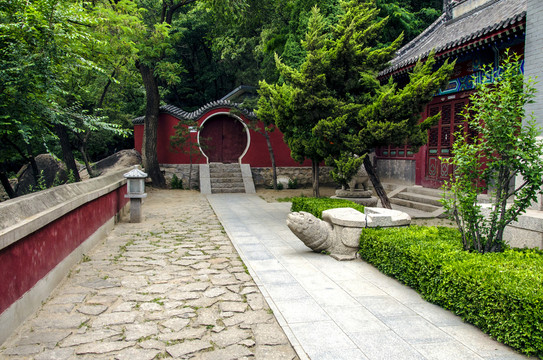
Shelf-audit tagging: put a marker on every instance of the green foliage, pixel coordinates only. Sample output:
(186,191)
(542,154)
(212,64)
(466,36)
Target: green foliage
(500,292)
(293,183)
(333,104)
(503,149)
(345,168)
(316,206)
(176,183)
(40,185)
(407,17)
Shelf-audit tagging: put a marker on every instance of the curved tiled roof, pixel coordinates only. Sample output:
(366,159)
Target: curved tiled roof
(445,35)
(195,115)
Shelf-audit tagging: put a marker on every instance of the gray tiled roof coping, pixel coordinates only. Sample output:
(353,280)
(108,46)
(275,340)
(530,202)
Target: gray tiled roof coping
(195,115)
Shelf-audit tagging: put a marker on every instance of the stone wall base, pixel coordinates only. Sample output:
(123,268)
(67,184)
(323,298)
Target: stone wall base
(527,232)
(262,176)
(182,172)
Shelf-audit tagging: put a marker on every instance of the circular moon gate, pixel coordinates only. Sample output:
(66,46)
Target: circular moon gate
(223,139)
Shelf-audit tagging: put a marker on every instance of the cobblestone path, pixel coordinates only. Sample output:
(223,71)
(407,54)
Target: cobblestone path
(171,286)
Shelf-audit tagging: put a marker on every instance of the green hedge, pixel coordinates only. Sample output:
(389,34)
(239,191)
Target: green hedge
(501,293)
(316,206)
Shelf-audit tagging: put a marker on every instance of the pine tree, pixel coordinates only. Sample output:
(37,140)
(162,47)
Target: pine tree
(334,104)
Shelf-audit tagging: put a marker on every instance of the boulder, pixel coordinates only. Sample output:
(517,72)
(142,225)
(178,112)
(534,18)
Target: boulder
(51,171)
(118,161)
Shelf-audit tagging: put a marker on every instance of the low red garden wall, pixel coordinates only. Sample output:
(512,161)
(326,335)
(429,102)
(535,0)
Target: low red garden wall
(39,231)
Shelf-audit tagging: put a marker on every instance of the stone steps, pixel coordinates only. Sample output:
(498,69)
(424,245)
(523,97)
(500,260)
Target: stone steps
(424,201)
(226,178)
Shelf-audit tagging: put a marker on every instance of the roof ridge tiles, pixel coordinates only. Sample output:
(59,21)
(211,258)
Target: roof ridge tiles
(196,114)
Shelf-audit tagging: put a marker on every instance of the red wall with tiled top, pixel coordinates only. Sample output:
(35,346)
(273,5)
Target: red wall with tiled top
(25,262)
(257,154)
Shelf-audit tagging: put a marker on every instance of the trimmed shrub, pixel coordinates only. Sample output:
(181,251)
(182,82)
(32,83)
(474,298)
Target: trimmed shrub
(176,183)
(316,206)
(501,293)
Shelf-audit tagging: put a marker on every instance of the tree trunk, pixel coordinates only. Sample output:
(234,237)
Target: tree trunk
(7,186)
(315,174)
(385,202)
(151,127)
(272,157)
(190,170)
(67,153)
(90,171)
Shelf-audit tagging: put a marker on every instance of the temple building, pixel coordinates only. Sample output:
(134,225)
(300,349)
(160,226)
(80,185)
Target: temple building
(474,33)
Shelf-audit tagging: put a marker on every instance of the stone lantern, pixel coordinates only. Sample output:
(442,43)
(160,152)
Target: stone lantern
(135,180)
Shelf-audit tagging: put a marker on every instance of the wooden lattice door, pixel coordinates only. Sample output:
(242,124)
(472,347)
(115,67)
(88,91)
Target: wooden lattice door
(441,138)
(223,139)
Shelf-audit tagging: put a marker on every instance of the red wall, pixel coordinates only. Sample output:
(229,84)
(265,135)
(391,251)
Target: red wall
(257,155)
(25,262)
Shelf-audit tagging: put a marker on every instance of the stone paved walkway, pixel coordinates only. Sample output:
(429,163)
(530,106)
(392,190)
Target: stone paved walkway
(348,310)
(171,286)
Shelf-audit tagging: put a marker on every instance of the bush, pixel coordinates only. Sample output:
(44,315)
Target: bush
(293,184)
(316,206)
(176,182)
(501,293)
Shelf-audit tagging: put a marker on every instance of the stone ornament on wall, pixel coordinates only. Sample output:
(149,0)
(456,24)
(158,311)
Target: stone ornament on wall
(338,234)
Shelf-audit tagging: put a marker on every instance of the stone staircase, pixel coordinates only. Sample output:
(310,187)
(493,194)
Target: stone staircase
(419,201)
(219,178)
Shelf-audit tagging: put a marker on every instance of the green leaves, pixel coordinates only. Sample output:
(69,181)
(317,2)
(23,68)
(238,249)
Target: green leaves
(504,149)
(501,293)
(316,206)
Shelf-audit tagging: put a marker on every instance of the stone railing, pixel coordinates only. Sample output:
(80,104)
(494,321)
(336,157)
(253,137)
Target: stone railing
(42,235)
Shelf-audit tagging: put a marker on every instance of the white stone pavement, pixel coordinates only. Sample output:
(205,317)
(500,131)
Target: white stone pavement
(342,310)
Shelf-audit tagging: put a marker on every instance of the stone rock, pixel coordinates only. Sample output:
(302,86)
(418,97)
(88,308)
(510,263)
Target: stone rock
(55,354)
(185,334)
(267,334)
(176,324)
(103,347)
(120,160)
(139,354)
(95,336)
(117,318)
(92,309)
(230,336)
(49,168)
(283,352)
(187,347)
(283,180)
(233,306)
(379,217)
(140,331)
(214,292)
(233,352)
(73,321)
(43,337)
(24,350)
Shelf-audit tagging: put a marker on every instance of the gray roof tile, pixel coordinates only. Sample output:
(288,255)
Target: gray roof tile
(195,115)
